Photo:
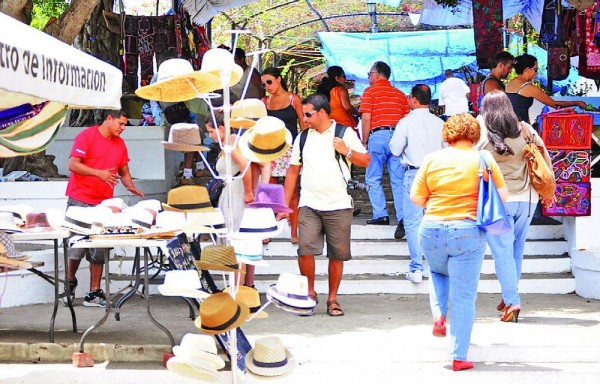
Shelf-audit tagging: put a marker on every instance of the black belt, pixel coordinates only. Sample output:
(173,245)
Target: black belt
(383,128)
(407,167)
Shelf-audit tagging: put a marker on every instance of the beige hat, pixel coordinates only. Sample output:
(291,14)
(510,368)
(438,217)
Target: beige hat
(215,61)
(188,198)
(268,140)
(177,81)
(246,112)
(220,313)
(218,258)
(197,369)
(250,297)
(205,222)
(184,137)
(199,347)
(270,358)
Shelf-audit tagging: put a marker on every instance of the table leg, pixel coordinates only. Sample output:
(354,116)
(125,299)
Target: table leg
(147,298)
(56,282)
(68,288)
(126,296)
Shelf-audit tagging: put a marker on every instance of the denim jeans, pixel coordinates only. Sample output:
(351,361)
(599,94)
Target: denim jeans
(507,250)
(379,149)
(454,250)
(412,218)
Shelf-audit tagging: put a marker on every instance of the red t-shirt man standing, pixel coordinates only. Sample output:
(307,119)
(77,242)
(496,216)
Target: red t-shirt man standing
(98,162)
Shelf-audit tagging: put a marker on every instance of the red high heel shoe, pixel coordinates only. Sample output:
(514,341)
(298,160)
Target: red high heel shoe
(501,306)
(439,327)
(461,365)
(511,313)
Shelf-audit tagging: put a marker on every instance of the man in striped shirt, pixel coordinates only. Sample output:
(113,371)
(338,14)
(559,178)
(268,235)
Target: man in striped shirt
(382,106)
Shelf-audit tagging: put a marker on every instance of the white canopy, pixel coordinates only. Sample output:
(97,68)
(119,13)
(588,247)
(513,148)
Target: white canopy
(35,66)
(202,11)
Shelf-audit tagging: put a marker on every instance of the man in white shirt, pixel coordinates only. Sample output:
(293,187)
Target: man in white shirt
(417,135)
(454,95)
(325,206)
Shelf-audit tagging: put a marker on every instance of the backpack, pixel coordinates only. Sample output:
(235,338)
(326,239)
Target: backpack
(540,175)
(339,132)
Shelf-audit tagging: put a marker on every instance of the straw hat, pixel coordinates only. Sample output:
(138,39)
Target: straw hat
(215,61)
(270,358)
(257,223)
(194,368)
(246,112)
(249,296)
(37,222)
(220,313)
(292,290)
(184,137)
(81,220)
(268,140)
(199,347)
(249,252)
(7,223)
(218,258)
(177,81)
(182,283)
(19,211)
(205,222)
(188,198)
(270,196)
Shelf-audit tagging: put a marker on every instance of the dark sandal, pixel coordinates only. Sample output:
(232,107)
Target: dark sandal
(334,309)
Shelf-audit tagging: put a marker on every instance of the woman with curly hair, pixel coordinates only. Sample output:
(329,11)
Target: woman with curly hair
(447,185)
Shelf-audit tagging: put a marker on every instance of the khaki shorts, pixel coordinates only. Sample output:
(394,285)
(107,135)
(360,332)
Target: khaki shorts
(93,255)
(314,225)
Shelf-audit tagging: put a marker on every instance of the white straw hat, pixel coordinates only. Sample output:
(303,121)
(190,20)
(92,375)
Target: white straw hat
(140,217)
(249,252)
(216,61)
(292,290)
(245,113)
(182,283)
(170,220)
(270,358)
(193,368)
(19,211)
(116,204)
(205,222)
(200,347)
(258,223)
(7,223)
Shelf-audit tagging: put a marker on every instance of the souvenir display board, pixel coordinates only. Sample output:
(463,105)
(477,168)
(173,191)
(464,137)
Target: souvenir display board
(567,130)
(570,166)
(572,199)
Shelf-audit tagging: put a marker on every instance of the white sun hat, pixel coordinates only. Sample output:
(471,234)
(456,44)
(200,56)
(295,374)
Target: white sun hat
(200,347)
(258,223)
(182,283)
(270,358)
(292,290)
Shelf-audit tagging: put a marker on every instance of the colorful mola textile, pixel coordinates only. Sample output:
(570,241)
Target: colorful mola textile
(570,166)
(572,199)
(589,53)
(567,130)
(487,25)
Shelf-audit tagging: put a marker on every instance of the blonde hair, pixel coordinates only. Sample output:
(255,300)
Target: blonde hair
(461,127)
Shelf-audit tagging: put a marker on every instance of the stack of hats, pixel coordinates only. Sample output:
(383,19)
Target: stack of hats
(291,294)
(257,223)
(196,357)
(22,218)
(269,358)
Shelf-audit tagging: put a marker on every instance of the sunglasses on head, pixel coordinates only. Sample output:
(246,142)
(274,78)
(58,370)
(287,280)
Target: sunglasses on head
(268,82)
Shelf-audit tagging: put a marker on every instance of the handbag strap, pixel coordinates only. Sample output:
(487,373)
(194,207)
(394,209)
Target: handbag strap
(483,165)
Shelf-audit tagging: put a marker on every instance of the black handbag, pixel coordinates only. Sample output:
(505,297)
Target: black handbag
(215,188)
(177,113)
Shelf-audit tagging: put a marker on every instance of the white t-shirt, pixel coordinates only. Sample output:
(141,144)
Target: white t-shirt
(453,94)
(323,184)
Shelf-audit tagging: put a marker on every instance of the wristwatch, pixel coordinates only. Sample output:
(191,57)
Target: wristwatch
(349,154)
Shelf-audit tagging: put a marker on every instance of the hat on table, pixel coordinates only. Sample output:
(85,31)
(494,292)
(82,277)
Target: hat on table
(257,223)
(170,221)
(188,198)
(270,196)
(81,220)
(19,211)
(270,358)
(7,223)
(246,112)
(116,204)
(37,222)
(199,347)
(205,222)
(268,140)
(220,313)
(182,283)
(218,258)
(140,217)
(184,137)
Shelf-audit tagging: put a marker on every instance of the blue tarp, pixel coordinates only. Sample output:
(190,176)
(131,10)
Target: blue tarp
(414,57)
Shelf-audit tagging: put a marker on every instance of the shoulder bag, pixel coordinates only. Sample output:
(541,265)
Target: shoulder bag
(491,213)
(540,174)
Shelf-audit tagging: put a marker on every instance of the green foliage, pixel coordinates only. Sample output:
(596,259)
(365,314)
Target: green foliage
(43,10)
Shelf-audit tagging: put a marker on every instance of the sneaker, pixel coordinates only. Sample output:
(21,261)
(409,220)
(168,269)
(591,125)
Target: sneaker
(95,299)
(72,286)
(416,276)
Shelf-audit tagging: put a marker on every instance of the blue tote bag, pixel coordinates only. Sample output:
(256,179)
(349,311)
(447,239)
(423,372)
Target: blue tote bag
(491,213)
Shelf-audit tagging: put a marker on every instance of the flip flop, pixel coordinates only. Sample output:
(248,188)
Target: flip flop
(334,309)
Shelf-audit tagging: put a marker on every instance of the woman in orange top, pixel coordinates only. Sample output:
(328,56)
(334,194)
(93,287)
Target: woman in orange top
(447,185)
(333,86)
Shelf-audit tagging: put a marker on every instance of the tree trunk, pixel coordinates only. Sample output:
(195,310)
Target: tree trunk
(17,9)
(69,24)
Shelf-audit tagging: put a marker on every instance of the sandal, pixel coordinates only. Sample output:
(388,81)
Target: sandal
(334,309)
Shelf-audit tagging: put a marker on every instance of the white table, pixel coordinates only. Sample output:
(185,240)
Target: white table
(55,236)
(138,244)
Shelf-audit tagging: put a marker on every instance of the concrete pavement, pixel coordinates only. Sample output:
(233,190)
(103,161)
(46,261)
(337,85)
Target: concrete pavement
(382,339)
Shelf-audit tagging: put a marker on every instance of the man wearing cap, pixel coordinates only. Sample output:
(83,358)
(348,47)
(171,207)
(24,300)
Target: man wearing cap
(417,135)
(98,161)
(325,206)
(382,106)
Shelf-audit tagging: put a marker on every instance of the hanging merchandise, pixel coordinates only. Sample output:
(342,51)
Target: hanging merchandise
(569,31)
(589,53)
(570,166)
(487,27)
(548,32)
(572,199)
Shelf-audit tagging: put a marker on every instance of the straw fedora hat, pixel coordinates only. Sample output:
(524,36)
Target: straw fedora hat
(188,198)
(249,252)
(37,222)
(268,140)
(195,223)
(140,217)
(200,347)
(177,81)
(184,137)
(257,223)
(7,223)
(215,61)
(220,313)
(270,358)
(249,296)
(246,112)
(182,283)
(292,290)
(218,258)
(193,368)
(80,220)
(270,196)
(19,211)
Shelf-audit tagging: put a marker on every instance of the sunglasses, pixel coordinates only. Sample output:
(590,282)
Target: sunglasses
(268,82)
(309,114)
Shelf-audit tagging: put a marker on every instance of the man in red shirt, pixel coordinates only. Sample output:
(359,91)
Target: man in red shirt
(382,106)
(98,161)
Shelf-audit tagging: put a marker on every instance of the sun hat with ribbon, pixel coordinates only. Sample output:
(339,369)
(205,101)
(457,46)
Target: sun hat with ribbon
(177,81)
(268,140)
(37,222)
(270,196)
(220,313)
(289,309)
(270,358)
(292,290)
(7,223)
(151,205)
(184,137)
(250,297)
(81,220)
(199,347)
(182,283)
(257,223)
(188,198)
(218,258)
(245,113)
(140,217)
(249,252)
(19,211)
(216,61)
(205,222)
(193,368)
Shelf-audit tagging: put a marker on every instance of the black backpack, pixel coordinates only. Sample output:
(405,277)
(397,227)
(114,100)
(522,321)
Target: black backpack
(339,132)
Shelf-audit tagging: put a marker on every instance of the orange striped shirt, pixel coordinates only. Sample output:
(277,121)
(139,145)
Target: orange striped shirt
(386,104)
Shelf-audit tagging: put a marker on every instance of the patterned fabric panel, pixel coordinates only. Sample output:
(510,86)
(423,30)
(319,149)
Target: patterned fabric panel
(589,53)
(487,26)
(572,199)
(567,130)
(570,166)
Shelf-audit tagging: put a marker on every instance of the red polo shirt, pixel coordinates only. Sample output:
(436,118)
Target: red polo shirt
(386,104)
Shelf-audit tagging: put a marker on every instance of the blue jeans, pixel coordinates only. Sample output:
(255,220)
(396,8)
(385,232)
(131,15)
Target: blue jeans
(508,249)
(454,250)
(412,218)
(379,149)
